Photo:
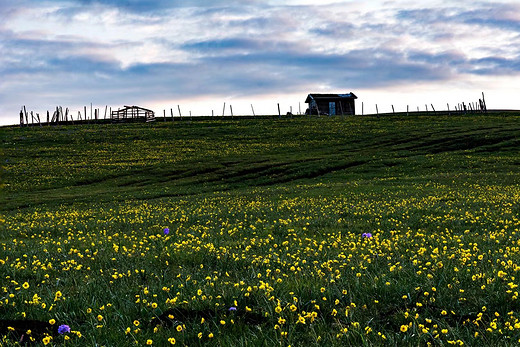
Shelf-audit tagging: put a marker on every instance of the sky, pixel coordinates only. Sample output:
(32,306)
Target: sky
(201,54)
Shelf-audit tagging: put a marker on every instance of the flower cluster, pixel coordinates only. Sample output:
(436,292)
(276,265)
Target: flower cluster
(410,260)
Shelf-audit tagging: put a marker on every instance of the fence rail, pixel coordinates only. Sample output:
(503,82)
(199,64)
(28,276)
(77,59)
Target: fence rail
(61,116)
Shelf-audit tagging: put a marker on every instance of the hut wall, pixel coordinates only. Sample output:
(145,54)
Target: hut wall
(345,106)
(348,107)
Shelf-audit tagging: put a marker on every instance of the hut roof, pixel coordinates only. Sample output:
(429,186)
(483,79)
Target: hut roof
(136,108)
(330,96)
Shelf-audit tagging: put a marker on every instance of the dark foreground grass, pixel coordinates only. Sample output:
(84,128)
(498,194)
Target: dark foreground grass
(331,231)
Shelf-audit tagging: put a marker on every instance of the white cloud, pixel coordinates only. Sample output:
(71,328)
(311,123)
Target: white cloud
(76,51)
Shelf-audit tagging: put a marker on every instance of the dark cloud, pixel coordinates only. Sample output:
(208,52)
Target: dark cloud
(494,15)
(494,66)
(223,45)
(31,55)
(492,21)
(261,71)
(339,30)
(140,6)
(449,59)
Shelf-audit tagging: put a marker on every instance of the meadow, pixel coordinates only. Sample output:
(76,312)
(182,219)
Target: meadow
(331,231)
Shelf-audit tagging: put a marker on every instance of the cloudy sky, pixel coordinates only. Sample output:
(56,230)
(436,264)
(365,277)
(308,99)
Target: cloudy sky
(199,54)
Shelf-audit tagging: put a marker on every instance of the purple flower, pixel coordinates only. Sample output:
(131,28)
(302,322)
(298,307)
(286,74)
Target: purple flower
(64,328)
(232,308)
(366,235)
(166,231)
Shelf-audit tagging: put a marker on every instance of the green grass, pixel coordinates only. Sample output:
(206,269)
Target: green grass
(265,215)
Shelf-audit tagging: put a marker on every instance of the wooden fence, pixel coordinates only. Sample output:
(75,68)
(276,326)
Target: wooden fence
(61,116)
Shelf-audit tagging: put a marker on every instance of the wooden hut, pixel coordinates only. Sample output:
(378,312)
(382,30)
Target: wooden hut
(331,104)
(132,113)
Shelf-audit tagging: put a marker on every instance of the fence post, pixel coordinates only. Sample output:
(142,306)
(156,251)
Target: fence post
(26,116)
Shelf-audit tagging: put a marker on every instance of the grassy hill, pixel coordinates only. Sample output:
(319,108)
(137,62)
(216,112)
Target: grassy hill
(325,231)
(143,161)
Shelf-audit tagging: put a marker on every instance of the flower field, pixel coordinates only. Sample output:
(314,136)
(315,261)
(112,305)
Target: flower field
(331,231)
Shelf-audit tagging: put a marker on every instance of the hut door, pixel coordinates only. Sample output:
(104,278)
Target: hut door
(332,108)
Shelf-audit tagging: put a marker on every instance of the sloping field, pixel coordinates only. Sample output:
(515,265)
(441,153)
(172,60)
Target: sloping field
(321,231)
(143,161)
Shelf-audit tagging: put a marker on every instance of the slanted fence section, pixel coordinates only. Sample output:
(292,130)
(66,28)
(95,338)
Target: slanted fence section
(132,113)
